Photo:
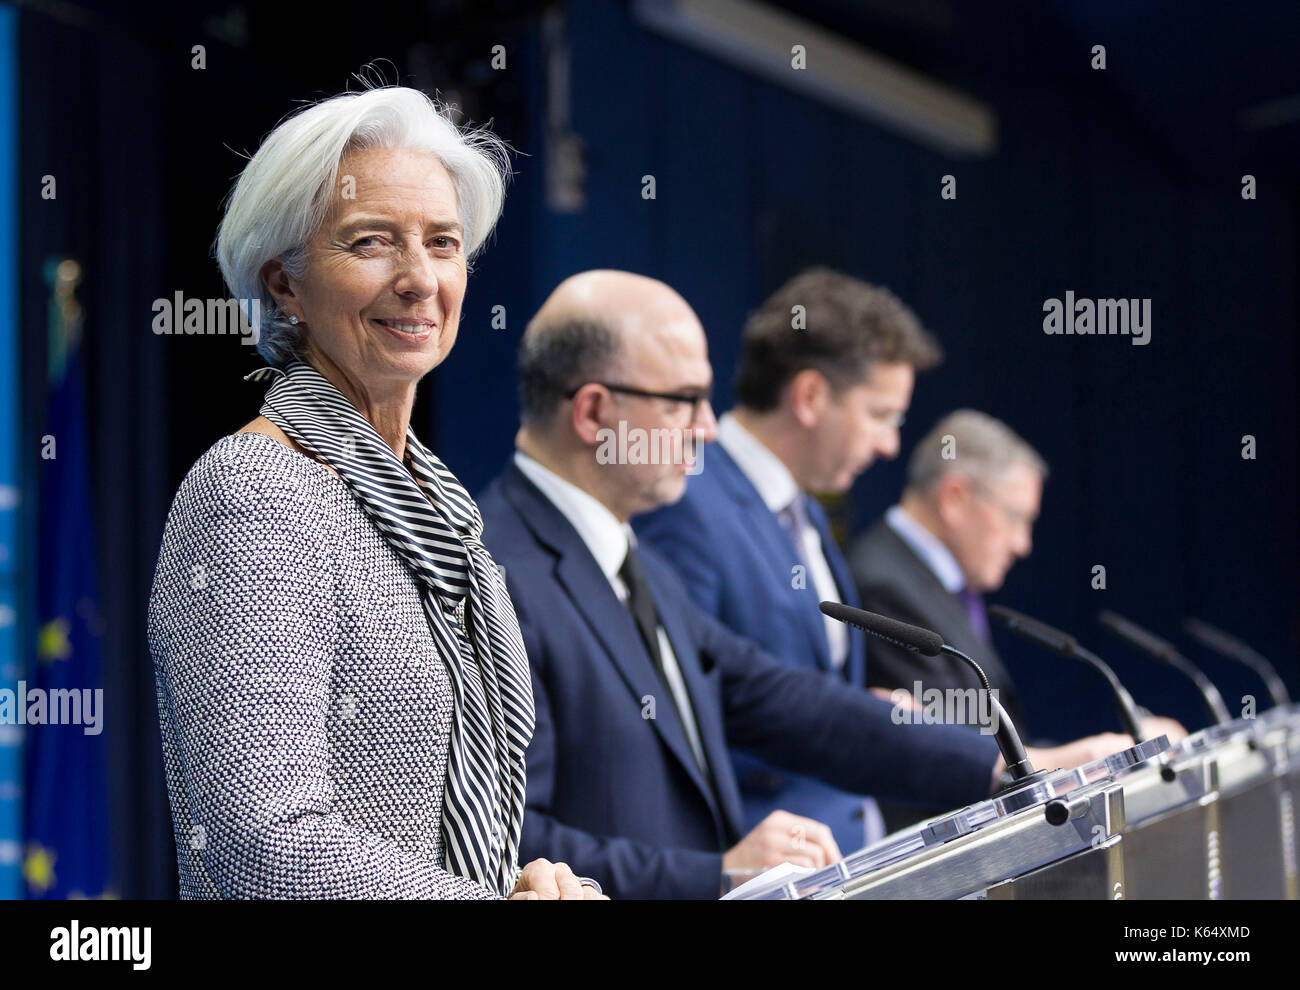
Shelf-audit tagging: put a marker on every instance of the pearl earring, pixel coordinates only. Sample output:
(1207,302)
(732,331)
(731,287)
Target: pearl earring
(293,320)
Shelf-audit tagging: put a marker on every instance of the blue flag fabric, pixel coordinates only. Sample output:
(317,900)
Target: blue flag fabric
(67,848)
(14,589)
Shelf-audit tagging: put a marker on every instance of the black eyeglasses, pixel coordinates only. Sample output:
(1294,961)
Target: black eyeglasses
(692,398)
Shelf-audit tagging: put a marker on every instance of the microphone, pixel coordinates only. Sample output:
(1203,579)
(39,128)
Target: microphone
(1067,646)
(1225,644)
(931,644)
(1164,651)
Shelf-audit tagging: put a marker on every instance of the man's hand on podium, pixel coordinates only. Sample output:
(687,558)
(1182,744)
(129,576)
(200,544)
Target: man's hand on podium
(783,838)
(1071,754)
(1158,725)
(1085,750)
(896,696)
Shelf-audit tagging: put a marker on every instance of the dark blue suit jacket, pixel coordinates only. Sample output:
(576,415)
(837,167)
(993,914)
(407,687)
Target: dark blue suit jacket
(737,562)
(618,795)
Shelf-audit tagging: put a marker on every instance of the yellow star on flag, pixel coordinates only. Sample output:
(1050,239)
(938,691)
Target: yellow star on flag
(52,641)
(38,867)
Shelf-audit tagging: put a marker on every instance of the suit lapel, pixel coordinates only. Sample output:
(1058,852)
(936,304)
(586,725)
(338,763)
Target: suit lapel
(707,715)
(610,622)
(775,545)
(953,623)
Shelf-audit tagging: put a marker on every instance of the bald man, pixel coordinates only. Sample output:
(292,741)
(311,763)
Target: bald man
(639,692)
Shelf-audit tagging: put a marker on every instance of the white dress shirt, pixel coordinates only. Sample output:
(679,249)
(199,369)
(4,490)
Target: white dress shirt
(928,547)
(609,540)
(777,487)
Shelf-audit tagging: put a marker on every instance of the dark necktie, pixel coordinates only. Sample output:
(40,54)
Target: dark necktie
(641,603)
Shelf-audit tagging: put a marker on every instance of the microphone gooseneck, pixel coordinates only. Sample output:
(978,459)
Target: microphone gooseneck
(1225,644)
(1164,651)
(1062,643)
(929,643)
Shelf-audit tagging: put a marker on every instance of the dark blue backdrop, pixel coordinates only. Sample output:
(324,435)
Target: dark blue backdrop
(1144,443)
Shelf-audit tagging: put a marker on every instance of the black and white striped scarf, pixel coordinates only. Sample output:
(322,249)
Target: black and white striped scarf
(437,530)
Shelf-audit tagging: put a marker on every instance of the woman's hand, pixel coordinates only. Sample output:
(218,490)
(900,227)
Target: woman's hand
(542,880)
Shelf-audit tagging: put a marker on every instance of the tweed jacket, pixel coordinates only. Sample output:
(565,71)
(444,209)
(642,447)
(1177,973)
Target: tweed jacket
(305,711)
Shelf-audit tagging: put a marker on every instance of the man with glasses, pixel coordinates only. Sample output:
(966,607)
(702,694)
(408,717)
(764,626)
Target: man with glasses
(825,376)
(638,692)
(965,516)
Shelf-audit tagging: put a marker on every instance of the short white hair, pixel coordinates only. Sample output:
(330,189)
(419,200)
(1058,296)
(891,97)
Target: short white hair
(283,193)
(970,443)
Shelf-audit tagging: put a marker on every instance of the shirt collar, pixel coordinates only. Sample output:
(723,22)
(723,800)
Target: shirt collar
(606,537)
(765,471)
(928,547)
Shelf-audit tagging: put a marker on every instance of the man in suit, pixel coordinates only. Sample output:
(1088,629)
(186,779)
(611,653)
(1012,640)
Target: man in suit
(639,692)
(814,407)
(966,515)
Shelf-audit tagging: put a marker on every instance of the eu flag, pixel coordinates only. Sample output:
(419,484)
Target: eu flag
(66,850)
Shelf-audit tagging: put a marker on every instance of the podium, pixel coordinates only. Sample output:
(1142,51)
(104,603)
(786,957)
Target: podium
(1257,779)
(1212,817)
(1171,843)
(1058,836)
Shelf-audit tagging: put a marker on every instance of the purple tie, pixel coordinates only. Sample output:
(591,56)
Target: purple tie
(794,520)
(979,620)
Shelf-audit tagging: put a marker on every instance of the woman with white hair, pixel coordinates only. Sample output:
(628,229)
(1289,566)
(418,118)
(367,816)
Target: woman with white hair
(344,695)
